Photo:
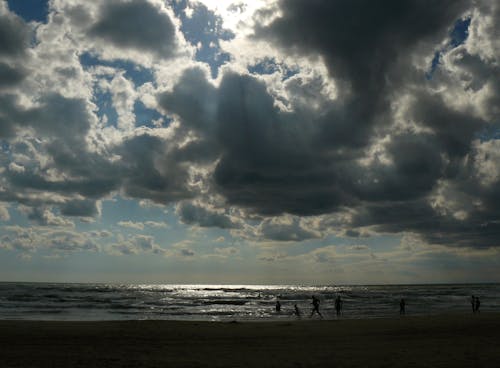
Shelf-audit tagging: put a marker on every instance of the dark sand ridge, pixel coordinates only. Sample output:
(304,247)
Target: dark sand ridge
(438,341)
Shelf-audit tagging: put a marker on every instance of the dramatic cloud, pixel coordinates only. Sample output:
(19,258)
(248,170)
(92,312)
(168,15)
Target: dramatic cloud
(14,33)
(196,214)
(123,24)
(300,122)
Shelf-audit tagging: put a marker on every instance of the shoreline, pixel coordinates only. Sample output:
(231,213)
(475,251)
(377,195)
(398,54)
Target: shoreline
(455,340)
(283,318)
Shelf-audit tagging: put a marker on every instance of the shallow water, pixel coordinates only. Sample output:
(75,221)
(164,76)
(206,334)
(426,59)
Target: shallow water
(50,301)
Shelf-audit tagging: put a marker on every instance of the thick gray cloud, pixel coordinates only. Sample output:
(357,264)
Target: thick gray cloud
(14,41)
(195,214)
(136,24)
(320,161)
(81,208)
(14,34)
(9,75)
(405,144)
(55,117)
(61,126)
(290,230)
(366,47)
(265,154)
(362,41)
(148,170)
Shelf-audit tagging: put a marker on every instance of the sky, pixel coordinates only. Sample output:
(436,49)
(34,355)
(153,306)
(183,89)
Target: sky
(261,142)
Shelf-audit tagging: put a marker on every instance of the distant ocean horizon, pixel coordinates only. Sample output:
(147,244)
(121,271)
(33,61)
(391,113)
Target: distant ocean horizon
(101,301)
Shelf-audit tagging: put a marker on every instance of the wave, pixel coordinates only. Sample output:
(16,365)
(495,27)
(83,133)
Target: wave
(94,301)
(224,302)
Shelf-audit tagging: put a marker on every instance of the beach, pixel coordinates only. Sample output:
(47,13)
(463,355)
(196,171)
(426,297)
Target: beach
(458,340)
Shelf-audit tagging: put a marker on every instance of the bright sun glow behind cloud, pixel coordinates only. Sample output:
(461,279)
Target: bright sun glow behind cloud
(236,14)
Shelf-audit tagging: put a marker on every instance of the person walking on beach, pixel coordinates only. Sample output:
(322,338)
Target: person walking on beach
(473,303)
(338,305)
(477,304)
(278,306)
(297,310)
(402,307)
(315,303)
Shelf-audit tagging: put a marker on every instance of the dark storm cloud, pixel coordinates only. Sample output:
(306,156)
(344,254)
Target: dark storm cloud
(136,24)
(269,160)
(290,230)
(265,154)
(195,214)
(57,129)
(194,100)
(419,217)
(361,40)
(14,41)
(14,35)
(309,161)
(454,130)
(54,117)
(10,76)
(82,208)
(148,170)
(8,115)
(417,165)
(143,170)
(366,46)
(143,165)
(61,124)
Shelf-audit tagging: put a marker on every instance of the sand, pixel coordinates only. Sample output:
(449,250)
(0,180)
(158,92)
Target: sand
(440,341)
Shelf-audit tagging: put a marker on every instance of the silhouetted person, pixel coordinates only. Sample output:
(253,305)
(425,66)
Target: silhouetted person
(402,306)
(278,306)
(477,304)
(297,310)
(473,303)
(315,303)
(338,305)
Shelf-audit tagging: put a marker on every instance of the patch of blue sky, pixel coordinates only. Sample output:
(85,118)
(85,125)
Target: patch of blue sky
(490,133)
(265,66)
(134,72)
(4,145)
(5,151)
(105,109)
(147,117)
(30,10)
(17,217)
(203,29)
(270,66)
(460,32)
(124,210)
(121,209)
(458,36)
(434,64)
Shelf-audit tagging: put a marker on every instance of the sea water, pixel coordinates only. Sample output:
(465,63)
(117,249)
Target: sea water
(59,301)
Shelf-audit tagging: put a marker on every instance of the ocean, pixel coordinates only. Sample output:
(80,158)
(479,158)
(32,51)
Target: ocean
(94,302)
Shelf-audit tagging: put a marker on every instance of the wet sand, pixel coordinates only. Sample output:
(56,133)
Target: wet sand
(441,341)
